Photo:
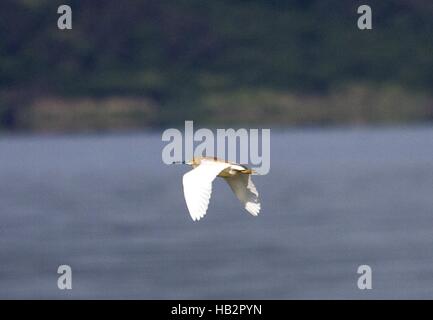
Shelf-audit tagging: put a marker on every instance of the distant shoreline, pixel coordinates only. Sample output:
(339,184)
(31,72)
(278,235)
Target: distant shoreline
(354,105)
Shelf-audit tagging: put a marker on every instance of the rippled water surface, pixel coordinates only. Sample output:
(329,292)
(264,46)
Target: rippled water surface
(108,207)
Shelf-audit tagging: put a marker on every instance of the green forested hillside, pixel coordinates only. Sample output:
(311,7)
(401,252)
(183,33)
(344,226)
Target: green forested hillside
(283,62)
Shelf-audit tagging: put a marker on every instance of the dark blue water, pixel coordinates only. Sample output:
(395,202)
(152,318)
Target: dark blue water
(107,206)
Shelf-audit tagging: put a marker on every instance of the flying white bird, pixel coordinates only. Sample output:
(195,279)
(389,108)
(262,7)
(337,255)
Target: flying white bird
(197,185)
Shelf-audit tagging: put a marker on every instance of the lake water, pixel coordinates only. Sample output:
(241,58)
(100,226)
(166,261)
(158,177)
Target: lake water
(107,206)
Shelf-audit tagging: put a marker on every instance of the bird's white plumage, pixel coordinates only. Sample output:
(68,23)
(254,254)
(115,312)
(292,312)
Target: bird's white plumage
(244,189)
(197,186)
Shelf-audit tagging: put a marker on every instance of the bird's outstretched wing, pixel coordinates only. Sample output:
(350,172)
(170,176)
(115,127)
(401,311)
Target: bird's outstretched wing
(242,185)
(197,187)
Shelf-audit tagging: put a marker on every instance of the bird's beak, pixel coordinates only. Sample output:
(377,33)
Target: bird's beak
(178,162)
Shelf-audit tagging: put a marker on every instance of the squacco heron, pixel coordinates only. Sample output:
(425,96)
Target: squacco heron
(197,184)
